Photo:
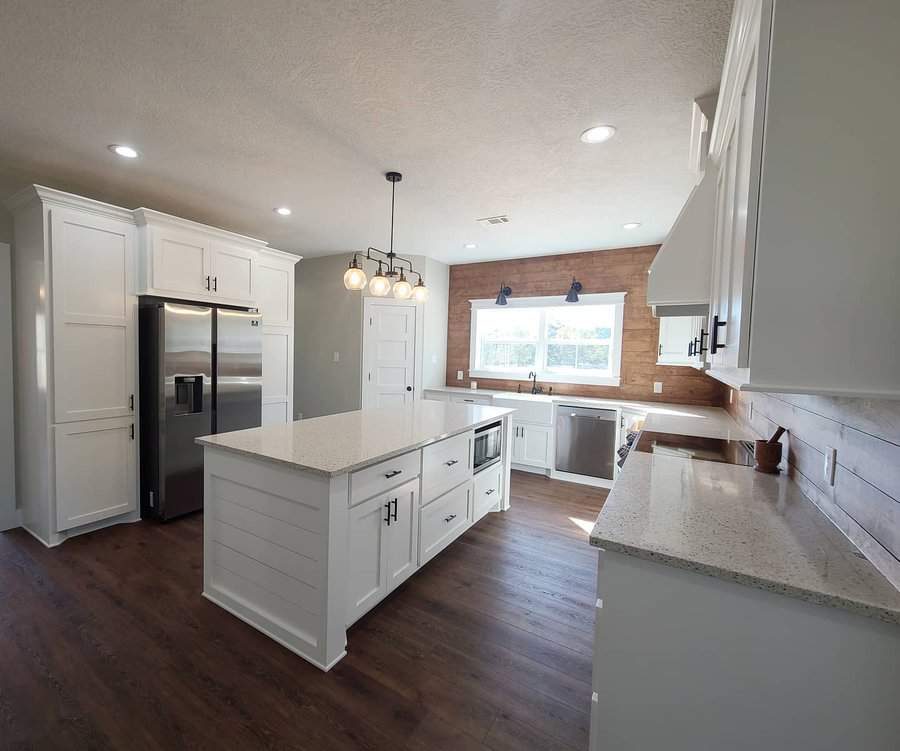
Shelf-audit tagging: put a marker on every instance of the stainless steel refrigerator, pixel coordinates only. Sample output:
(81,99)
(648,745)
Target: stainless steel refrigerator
(200,373)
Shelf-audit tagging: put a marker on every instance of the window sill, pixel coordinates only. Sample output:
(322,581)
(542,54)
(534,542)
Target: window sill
(547,378)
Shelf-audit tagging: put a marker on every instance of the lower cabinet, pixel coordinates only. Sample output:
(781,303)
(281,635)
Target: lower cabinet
(95,471)
(532,445)
(444,520)
(486,491)
(383,547)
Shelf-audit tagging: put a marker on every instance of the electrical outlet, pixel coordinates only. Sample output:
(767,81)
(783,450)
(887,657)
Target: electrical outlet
(459,375)
(337,357)
(830,460)
(657,387)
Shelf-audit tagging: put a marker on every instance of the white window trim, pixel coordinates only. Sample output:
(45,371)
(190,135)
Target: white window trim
(554,301)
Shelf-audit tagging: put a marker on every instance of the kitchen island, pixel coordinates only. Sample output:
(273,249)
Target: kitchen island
(309,525)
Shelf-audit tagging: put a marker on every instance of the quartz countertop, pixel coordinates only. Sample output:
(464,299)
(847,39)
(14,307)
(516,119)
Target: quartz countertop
(737,524)
(335,444)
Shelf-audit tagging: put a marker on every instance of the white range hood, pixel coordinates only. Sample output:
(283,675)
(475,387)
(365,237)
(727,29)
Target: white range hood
(679,279)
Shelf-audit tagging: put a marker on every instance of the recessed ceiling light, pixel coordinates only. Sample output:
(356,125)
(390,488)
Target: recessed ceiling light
(282,211)
(125,151)
(598,134)
(470,246)
(631,225)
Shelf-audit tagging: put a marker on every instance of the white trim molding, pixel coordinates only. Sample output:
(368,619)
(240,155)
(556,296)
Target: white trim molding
(601,298)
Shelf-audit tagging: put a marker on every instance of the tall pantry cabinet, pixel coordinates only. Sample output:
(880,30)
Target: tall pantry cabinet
(75,313)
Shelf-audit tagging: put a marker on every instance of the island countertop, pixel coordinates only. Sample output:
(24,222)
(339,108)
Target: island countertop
(344,442)
(734,523)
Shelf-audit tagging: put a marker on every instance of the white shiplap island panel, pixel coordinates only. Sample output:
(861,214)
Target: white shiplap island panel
(309,525)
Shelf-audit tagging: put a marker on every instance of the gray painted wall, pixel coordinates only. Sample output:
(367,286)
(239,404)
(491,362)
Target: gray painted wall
(6,227)
(327,319)
(8,514)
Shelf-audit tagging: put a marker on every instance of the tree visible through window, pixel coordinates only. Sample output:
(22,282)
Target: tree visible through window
(577,341)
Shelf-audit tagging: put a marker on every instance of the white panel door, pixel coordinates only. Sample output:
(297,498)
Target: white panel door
(275,292)
(95,471)
(276,385)
(675,334)
(531,445)
(233,274)
(366,579)
(389,368)
(181,263)
(401,535)
(94,311)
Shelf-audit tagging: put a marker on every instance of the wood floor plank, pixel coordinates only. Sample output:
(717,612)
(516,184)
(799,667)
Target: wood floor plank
(106,643)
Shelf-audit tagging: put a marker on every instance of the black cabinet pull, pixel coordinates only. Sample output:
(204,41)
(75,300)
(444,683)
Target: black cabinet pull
(394,517)
(207,282)
(489,491)
(387,508)
(389,475)
(452,462)
(700,349)
(132,431)
(215,284)
(660,351)
(131,402)
(714,345)
(691,348)
(450,518)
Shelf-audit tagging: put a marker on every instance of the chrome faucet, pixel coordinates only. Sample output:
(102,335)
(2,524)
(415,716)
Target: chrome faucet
(535,389)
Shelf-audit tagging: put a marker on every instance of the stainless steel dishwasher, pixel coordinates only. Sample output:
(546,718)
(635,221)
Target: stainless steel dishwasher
(586,440)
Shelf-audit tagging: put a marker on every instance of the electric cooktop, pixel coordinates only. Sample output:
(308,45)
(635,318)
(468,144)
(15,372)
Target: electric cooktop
(695,447)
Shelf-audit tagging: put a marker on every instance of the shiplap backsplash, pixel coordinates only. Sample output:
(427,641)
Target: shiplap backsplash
(864,501)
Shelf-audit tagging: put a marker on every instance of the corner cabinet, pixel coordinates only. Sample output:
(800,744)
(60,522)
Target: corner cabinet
(803,279)
(76,403)
(275,293)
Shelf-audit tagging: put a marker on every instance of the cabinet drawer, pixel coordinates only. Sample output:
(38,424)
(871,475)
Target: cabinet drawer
(486,491)
(535,411)
(444,520)
(446,464)
(371,481)
(463,399)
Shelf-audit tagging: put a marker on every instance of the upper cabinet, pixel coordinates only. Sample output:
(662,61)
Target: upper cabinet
(802,219)
(191,261)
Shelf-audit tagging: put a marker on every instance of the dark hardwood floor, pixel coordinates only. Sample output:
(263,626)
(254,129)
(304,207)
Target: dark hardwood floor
(105,642)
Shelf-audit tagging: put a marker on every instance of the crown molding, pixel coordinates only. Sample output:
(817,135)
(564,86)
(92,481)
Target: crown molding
(282,254)
(150,218)
(54,197)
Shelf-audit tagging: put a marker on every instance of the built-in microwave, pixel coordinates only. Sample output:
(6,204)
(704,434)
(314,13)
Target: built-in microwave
(488,442)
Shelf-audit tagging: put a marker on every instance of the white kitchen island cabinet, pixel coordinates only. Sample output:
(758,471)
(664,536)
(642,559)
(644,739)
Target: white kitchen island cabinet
(309,525)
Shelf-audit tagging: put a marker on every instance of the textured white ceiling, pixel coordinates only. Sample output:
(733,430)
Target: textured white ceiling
(239,106)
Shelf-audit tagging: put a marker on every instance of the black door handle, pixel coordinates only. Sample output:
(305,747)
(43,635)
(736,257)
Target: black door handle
(714,345)
(387,507)
(395,509)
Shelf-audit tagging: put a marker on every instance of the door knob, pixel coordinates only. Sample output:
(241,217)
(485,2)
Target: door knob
(409,388)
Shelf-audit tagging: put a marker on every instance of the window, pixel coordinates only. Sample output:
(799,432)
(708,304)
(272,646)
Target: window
(562,342)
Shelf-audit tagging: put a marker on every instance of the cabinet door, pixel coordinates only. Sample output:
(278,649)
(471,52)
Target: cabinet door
(95,471)
(675,334)
(277,374)
(94,309)
(233,274)
(402,534)
(533,446)
(181,263)
(366,579)
(275,291)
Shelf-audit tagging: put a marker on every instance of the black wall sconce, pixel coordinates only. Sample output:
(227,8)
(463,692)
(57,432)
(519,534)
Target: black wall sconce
(504,293)
(573,291)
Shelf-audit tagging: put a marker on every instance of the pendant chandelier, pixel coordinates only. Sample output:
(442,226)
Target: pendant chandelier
(390,276)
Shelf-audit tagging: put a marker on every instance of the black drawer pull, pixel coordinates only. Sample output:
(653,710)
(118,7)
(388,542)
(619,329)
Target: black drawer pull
(389,475)
(714,345)
(489,491)
(450,518)
(452,462)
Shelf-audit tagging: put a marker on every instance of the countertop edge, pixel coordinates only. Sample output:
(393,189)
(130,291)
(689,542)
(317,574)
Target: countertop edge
(203,441)
(767,585)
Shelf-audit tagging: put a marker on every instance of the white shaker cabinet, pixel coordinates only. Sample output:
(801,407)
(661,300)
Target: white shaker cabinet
(679,338)
(191,261)
(275,295)
(383,547)
(532,445)
(75,312)
(803,281)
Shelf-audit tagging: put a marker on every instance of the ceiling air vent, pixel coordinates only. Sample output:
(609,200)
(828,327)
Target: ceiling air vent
(491,220)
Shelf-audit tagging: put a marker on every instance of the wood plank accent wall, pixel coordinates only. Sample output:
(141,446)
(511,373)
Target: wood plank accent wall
(623,270)
(865,500)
